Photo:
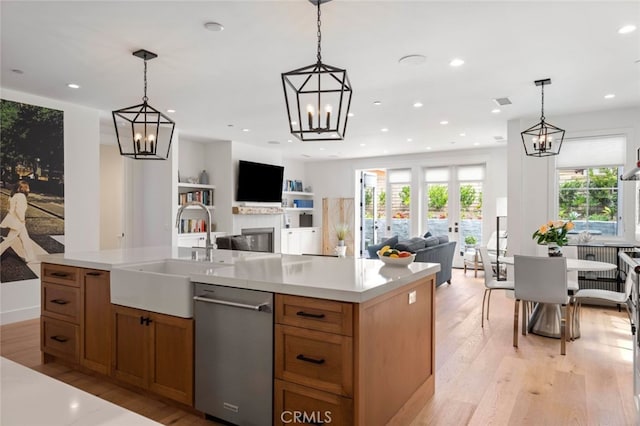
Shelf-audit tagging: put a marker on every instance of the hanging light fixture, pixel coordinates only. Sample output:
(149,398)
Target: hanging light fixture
(543,139)
(318,98)
(143,132)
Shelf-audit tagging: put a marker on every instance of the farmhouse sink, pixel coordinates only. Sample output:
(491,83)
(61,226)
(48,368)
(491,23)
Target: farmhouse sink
(162,286)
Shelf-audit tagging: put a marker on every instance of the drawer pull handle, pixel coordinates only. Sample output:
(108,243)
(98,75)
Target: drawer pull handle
(60,301)
(311,360)
(59,339)
(60,274)
(94,274)
(308,315)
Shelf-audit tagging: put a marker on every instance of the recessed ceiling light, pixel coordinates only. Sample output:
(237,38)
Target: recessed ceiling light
(456,62)
(385,151)
(409,140)
(463,134)
(214,26)
(384,129)
(293,123)
(444,122)
(412,60)
(73,86)
(476,143)
(17,71)
(322,149)
(273,142)
(171,111)
(289,140)
(377,103)
(363,144)
(496,110)
(417,105)
(428,148)
(609,96)
(350,114)
(627,29)
(246,130)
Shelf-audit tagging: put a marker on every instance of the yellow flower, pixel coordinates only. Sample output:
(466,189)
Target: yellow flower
(550,223)
(543,229)
(558,224)
(570,226)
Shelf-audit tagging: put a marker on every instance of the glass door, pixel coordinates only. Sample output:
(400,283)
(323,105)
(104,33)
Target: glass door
(399,205)
(454,207)
(369,210)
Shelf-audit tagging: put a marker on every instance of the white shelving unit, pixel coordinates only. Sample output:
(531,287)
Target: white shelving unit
(292,195)
(194,192)
(195,189)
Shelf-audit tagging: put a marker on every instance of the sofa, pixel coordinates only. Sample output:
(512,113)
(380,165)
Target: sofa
(429,248)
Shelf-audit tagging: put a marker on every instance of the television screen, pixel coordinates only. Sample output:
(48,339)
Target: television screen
(259,182)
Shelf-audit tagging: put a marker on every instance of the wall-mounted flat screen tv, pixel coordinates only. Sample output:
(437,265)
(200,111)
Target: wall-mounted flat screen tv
(259,182)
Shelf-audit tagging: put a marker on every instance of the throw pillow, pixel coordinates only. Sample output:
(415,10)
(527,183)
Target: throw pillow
(443,239)
(431,241)
(412,245)
(374,248)
(427,235)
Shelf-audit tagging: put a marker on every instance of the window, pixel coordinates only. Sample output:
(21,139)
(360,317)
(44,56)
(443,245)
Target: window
(400,199)
(588,186)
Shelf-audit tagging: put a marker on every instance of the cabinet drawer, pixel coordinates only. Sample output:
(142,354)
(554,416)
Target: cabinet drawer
(295,404)
(60,338)
(61,302)
(315,314)
(316,359)
(60,274)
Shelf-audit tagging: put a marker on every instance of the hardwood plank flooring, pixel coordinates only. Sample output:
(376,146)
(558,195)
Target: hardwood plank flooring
(480,378)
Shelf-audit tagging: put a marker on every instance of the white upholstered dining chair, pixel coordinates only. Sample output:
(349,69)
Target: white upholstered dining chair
(542,280)
(490,283)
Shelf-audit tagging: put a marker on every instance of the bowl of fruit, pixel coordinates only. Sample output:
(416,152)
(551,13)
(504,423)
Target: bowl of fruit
(395,257)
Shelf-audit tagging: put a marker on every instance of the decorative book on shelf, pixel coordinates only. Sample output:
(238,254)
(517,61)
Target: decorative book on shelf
(202,196)
(188,226)
(256,210)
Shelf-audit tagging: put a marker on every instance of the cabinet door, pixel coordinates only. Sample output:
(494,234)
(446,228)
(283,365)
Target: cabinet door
(131,345)
(95,326)
(171,366)
(284,241)
(306,241)
(316,241)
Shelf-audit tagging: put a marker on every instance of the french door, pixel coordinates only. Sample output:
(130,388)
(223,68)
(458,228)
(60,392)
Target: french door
(453,204)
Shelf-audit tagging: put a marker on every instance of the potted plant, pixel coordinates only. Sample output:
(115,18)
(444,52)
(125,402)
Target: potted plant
(470,241)
(554,235)
(342,230)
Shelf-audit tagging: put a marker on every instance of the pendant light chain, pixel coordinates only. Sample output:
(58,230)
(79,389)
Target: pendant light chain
(319,35)
(542,111)
(144,98)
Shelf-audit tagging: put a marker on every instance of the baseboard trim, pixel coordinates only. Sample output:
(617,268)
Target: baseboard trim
(19,315)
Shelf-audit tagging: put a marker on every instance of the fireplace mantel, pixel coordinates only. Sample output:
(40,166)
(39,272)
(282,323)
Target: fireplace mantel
(256,210)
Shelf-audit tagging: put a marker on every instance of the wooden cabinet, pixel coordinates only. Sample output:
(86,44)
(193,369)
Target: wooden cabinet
(369,363)
(154,351)
(313,360)
(75,321)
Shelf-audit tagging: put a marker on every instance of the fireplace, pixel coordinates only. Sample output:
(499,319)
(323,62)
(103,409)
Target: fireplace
(259,239)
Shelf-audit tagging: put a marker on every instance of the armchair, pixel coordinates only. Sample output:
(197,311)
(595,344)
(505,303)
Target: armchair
(495,247)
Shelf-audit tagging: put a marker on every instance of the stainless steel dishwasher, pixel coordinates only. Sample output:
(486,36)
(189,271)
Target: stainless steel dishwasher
(234,354)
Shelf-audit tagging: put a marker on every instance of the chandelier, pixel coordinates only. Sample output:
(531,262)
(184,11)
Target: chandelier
(543,139)
(318,97)
(143,132)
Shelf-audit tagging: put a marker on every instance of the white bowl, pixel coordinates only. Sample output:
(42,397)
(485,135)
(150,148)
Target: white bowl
(396,261)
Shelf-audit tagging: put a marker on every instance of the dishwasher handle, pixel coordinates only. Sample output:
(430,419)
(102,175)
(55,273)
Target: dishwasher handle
(260,308)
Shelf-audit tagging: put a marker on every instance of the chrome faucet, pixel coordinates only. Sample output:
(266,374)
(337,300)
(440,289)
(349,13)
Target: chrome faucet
(209,247)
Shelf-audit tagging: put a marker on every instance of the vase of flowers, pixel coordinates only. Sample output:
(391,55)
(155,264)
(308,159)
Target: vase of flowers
(554,235)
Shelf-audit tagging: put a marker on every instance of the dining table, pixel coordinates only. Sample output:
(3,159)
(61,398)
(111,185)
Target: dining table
(545,317)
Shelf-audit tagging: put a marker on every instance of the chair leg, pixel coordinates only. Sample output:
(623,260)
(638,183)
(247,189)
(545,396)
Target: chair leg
(525,317)
(563,330)
(515,323)
(488,304)
(465,267)
(483,299)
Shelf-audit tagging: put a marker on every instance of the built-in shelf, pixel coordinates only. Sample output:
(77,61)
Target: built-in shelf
(195,185)
(310,194)
(196,207)
(255,210)
(298,209)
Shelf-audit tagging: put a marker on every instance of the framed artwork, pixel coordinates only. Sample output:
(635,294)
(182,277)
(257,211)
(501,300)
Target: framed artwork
(31,188)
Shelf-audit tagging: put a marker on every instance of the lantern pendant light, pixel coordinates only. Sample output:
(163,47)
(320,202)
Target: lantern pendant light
(143,132)
(318,97)
(543,139)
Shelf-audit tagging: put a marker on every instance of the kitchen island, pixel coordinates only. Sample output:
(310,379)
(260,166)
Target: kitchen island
(375,322)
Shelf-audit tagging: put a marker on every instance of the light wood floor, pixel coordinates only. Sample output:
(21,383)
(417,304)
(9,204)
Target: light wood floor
(480,378)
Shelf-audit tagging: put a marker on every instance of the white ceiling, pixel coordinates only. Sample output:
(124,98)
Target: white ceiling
(217,79)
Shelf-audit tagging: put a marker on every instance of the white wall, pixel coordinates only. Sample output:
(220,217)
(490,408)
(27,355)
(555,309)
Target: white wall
(531,180)
(21,299)
(111,197)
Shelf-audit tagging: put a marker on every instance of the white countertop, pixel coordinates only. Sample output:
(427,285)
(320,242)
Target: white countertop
(31,398)
(346,279)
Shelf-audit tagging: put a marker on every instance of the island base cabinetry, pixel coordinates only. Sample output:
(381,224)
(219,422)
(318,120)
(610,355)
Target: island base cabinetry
(355,364)
(75,316)
(154,351)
